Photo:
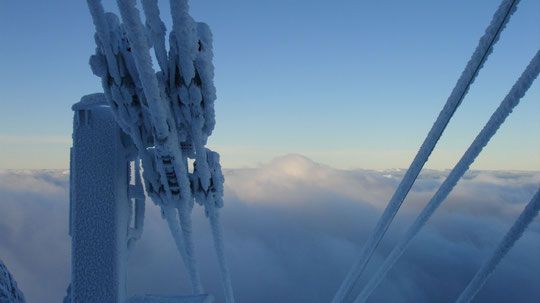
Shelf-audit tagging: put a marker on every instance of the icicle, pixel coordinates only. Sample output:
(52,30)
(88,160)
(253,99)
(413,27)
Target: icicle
(213,217)
(169,213)
(211,199)
(496,120)
(187,230)
(515,232)
(484,48)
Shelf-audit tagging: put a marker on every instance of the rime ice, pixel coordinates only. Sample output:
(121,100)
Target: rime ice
(9,292)
(482,51)
(168,114)
(496,120)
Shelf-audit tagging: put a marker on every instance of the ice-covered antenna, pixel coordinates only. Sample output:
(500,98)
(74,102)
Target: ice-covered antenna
(168,114)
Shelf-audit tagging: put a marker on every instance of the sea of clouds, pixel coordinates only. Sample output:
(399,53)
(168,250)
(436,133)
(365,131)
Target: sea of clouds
(293,228)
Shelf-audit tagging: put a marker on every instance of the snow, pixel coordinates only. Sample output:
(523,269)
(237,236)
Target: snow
(496,120)
(9,292)
(482,51)
(515,232)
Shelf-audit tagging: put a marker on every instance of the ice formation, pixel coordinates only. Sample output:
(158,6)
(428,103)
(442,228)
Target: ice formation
(168,114)
(9,293)
(496,120)
(482,51)
(67,297)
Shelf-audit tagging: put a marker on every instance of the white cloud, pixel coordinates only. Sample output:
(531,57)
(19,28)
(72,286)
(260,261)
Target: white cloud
(292,230)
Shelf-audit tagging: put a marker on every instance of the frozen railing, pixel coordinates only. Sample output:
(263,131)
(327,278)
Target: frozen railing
(480,55)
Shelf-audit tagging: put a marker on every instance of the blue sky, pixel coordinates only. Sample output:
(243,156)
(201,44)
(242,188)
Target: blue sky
(353,84)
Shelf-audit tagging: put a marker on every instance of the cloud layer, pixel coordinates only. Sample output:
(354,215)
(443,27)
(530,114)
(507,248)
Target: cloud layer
(292,229)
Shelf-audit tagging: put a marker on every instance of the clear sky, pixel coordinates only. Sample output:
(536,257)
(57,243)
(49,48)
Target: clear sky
(353,84)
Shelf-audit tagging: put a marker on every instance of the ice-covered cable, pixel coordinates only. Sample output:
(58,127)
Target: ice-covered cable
(102,29)
(212,200)
(213,217)
(167,146)
(169,115)
(184,28)
(187,231)
(515,232)
(125,96)
(170,215)
(482,51)
(143,61)
(166,139)
(496,120)
(205,68)
(157,32)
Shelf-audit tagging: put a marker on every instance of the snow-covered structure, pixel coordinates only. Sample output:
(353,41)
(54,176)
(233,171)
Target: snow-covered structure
(145,123)
(9,292)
